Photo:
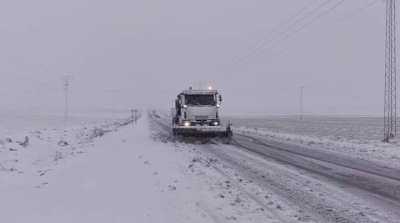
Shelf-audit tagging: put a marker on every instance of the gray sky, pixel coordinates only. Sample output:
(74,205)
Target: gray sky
(151,46)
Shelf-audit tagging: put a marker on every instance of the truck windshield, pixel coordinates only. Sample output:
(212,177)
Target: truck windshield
(200,100)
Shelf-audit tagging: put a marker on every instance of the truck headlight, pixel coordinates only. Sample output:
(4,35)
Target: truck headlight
(215,123)
(186,124)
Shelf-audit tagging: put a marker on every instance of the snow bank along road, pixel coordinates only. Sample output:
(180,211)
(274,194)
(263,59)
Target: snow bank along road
(293,183)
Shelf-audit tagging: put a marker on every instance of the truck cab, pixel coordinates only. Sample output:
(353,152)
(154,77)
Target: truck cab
(197,108)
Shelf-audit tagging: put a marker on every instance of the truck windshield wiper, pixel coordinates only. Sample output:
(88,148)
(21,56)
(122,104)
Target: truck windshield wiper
(211,103)
(195,102)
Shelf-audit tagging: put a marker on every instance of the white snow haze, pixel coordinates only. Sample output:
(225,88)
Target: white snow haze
(138,54)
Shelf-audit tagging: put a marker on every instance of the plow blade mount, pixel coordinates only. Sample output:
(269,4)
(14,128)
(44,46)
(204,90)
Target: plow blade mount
(203,131)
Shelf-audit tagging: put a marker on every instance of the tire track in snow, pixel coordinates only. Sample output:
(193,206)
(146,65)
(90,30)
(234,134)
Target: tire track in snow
(210,179)
(252,196)
(340,161)
(202,203)
(378,187)
(379,190)
(315,203)
(315,167)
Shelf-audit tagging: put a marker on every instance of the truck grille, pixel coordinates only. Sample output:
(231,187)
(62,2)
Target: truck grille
(201,117)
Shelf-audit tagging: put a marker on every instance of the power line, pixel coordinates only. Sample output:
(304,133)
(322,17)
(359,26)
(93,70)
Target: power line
(259,89)
(259,41)
(324,29)
(340,91)
(281,33)
(28,91)
(343,91)
(224,90)
(296,31)
(269,41)
(172,91)
(123,91)
(176,91)
(306,38)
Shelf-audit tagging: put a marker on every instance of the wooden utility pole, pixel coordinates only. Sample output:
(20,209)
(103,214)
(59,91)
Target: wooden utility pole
(66,80)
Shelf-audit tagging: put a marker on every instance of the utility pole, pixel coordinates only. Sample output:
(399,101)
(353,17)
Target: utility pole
(113,109)
(301,103)
(390,73)
(134,116)
(66,80)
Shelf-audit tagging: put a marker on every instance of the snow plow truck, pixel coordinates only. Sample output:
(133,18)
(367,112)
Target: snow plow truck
(196,114)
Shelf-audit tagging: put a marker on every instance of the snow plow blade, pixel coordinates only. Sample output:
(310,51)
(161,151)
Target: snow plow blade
(204,131)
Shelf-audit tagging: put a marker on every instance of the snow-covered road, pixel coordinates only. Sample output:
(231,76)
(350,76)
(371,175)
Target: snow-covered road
(141,173)
(299,184)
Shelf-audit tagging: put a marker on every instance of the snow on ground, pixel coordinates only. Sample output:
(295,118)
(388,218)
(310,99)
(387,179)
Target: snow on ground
(108,171)
(35,147)
(73,175)
(115,181)
(13,124)
(360,137)
(222,198)
(131,173)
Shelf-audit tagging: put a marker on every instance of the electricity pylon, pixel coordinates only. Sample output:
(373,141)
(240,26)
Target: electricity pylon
(390,73)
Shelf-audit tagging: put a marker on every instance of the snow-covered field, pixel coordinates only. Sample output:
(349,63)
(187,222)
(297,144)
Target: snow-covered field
(12,125)
(42,142)
(357,136)
(349,129)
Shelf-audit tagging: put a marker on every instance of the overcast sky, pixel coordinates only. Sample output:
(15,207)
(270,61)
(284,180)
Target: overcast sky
(167,45)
